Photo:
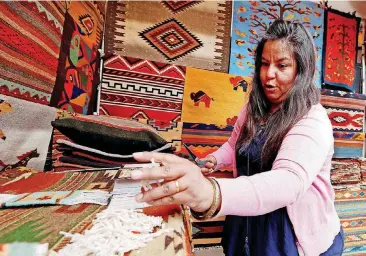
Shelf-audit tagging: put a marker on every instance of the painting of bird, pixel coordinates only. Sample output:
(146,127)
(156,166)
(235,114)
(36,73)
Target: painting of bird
(253,32)
(239,56)
(239,33)
(240,42)
(254,3)
(239,64)
(249,64)
(242,19)
(241,9)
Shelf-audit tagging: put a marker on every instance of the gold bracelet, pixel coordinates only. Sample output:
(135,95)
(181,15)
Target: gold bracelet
(216,201)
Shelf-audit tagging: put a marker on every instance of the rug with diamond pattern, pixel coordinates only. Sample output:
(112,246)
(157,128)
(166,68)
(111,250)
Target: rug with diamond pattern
(351,209)
(171,34)
(346,112)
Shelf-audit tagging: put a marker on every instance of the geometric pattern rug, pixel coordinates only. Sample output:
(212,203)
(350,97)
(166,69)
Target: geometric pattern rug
(43,224)
(171,131)
(351,209)
(204,139)
(346,112)
(171,35)
(30,41)
(78,67)
(136,88)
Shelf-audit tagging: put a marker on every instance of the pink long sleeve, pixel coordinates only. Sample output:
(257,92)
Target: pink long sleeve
(305,150)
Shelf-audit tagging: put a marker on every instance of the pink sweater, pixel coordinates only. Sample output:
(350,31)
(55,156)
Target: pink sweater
(299,180)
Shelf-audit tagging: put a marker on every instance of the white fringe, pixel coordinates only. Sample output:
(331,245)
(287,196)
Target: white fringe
(113,233)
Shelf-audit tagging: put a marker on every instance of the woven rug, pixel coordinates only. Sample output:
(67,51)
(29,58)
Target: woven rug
(30,249)
(30,41)
(202,140)
(345,174)
(43,224)
(207,234)
(351,208)
(348,144)
(136,88)
(26,132)
(252,18)
(171,34)
(71,148)
(363,172)
(18,180)
(346,112)
(78,68)
(340,49)
(171,131)
(213,98)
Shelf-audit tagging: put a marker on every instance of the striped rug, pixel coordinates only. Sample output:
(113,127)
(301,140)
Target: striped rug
(351,208)
(30,41)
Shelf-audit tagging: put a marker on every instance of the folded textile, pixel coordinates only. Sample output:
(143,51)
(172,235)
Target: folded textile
(73,152)
(96,151)
(118,136)
(345,172)
(84,162)
(29,249)
(95,158)
(352,187)
(54,198)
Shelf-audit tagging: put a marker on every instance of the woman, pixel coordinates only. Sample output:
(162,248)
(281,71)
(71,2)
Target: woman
(281,201)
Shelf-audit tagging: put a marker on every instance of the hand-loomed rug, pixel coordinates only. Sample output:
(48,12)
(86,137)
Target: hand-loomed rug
(171,34)
(351,208)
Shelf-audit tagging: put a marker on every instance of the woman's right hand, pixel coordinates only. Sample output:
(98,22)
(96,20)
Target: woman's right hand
(210,164)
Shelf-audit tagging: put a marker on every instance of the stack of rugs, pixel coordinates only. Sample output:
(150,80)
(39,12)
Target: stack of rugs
(348,177)
(346,112)
(81,142)
(36,206)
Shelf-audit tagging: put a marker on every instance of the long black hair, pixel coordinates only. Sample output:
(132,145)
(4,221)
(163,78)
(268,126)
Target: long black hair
(299,100)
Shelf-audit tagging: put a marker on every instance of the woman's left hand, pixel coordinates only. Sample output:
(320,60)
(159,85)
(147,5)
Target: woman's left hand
(183,182)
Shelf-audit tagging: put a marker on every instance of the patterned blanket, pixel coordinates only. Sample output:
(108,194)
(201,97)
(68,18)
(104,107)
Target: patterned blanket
(43,224)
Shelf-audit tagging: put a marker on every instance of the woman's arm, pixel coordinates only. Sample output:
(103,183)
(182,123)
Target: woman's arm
(226,153)
(301,156)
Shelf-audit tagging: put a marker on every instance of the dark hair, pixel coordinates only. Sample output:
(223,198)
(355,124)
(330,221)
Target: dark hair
(298,102)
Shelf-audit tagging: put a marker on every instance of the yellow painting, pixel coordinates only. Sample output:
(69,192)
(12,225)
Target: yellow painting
(212,97)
